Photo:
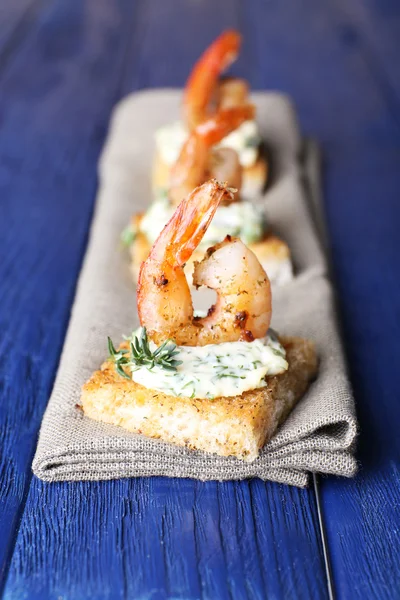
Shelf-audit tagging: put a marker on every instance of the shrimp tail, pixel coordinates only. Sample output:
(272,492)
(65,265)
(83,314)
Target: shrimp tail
(204,76)
(187,226)
(223,123)
(190,170)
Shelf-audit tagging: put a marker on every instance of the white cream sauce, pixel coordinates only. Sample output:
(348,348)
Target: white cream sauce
(239,219)
(215,370)
(245,140)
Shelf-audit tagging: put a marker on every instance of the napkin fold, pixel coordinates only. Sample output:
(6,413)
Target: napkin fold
(319,434)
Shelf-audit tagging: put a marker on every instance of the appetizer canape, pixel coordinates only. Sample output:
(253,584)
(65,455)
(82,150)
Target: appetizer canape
(204,95)
(221,383)
(201,159)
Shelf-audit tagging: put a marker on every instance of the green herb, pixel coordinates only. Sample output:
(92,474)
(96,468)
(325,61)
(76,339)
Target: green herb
(141,355)
(119,358)
(273,335)
(163,356)
(128,236)
(252,141)
(162,193)
(278,352)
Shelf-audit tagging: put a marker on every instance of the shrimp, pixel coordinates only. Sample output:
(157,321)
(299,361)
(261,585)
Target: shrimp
(202,82)
(196,160)
(232,92)
(243,307)
(223,165)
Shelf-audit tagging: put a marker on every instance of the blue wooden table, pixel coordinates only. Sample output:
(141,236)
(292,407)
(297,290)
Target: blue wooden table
(63,65)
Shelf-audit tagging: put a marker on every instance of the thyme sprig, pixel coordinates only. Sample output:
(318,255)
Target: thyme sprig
(119,358)
(140,355)
(163,356)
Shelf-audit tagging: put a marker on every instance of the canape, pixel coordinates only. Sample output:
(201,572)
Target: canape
(205,94)
(220,382)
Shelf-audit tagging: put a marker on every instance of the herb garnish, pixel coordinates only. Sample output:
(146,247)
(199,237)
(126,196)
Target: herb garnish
(128,236)
(140,355)
(119,358)
(252,141)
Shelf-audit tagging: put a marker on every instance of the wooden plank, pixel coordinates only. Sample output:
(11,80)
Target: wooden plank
(302,50)
(132,538)
(341,86)
(160,538)
(15,19)
(55,107)
(162,52)
(343,103)
(375,27)
(362,516)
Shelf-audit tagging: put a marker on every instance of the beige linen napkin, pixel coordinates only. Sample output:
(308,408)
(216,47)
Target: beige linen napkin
(320,432)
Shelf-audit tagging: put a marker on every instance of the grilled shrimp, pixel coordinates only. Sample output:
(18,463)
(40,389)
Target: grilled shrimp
(232,92)
(203,80)
(198,160)
(243,307)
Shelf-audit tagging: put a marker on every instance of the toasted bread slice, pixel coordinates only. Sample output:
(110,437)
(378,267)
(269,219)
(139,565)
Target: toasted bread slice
(272,252)
(229,426)
(254,178)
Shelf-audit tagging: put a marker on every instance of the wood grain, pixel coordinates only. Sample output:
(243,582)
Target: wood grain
(160,538)
(157,538)
(139,538)
(16,18)
(52,131)
(362,516)
(346,97)
(375,25)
